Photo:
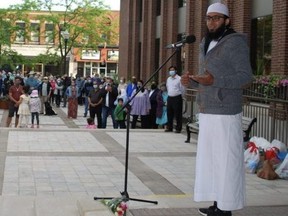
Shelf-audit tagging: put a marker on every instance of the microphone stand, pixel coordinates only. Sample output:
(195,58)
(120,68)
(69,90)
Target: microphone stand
(124,194)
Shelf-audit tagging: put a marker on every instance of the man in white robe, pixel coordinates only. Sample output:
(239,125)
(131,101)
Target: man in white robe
(224,69)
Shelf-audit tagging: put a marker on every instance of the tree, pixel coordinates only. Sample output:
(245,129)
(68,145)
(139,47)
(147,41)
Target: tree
(7,55)
(87,22)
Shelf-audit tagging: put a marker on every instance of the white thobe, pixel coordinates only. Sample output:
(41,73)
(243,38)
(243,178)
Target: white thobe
(220,173)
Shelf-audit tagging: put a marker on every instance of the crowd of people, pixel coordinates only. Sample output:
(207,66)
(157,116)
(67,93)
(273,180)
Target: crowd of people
(30,96)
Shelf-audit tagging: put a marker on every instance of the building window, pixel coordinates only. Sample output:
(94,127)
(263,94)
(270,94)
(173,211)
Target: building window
(112,55)
(35,33)
(158,7)
(20,32)
(90,54)
(181,3)
(140,10)
(49,33)
(261,45)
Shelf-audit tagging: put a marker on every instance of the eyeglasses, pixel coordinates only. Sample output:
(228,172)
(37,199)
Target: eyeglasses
(214,18)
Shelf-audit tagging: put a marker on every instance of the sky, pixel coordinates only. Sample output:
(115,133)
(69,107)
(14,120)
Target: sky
(114,4)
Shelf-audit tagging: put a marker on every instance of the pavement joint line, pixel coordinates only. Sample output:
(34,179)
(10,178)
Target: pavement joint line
(170,203)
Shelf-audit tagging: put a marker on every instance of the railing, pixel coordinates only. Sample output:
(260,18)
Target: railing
(271,114)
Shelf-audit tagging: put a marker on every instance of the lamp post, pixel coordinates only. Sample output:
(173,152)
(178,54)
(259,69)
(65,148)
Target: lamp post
(65,34)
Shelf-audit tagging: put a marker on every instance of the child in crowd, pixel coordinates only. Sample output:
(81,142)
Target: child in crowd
(23,110)
(120,115)
(35,107)
(90,124)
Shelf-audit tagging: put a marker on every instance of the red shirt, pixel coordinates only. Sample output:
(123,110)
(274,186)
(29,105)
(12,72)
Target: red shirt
(15,92)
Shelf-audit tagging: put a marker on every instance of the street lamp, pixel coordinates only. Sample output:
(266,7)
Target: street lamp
(65,34)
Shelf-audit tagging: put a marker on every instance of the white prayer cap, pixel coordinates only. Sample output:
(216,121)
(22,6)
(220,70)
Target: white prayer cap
(218,8)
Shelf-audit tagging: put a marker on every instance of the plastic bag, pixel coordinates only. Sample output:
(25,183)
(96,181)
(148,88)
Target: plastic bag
(282,170)
(251,157)
(261,142)
(271,153)
(279,145)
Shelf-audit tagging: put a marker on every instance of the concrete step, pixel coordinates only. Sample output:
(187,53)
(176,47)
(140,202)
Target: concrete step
(16,206)
(51,206)
(88,207)
(55,206)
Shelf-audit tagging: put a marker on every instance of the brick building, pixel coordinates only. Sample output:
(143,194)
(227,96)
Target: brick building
(146,27)
(79,61)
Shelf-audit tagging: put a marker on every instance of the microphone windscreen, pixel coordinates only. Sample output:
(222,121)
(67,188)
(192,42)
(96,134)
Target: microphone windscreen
(190,39)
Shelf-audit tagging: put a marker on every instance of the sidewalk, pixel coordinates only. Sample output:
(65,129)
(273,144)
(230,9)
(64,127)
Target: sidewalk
(62,159)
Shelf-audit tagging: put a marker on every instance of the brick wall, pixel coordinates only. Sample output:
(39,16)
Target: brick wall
(195,24)
(169,24)
(279,62)
(240,14)
(129,39)
(148,39)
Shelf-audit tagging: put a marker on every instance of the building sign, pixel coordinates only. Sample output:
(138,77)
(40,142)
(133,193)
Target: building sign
(90,55)
(113,55)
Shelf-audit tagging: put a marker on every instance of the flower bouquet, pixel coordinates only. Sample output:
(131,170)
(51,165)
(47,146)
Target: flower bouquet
(117,205)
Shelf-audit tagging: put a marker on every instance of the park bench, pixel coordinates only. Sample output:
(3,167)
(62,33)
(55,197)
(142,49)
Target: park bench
(247,123)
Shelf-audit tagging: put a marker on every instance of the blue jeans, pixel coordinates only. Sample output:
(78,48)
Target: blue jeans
(106,111)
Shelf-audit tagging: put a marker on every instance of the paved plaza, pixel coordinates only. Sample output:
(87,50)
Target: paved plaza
(62,166)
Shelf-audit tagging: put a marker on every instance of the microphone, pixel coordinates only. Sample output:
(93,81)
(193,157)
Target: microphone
(188,39)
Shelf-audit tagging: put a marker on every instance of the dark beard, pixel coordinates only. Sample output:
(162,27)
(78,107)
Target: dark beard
(218,33)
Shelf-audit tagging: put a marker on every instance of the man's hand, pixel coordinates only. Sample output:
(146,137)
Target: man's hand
(203,79)
(185,79)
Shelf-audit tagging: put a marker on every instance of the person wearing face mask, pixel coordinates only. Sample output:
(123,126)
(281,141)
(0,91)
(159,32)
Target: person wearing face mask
(32,81)
(58,92)
(109,94)
(45,91)
(140,106)
(174,102)
(72,93)
(122,85)
(95,103)
(88,86)
(154,90)
(131,87)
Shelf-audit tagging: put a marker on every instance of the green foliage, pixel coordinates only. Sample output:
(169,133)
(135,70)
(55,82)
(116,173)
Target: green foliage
(85,20)
(269,84)
(11,57)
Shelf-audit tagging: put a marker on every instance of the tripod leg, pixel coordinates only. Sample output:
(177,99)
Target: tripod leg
(101,198)
(141,200)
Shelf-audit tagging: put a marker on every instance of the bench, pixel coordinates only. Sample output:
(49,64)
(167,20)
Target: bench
(247,123)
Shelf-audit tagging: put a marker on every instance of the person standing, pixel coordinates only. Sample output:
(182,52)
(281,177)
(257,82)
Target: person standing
(153,101)
(174,102)
(140,106)
(44,90)
(122,85)
(72,94)
(131,87)
(24,109)
(80,84)
(15,91)
(95,99)
(58,92)
(161,111)
(224,70)
(35,107)
(66,82)
(109,93)
(88,86)
(53,87)
(119,114)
